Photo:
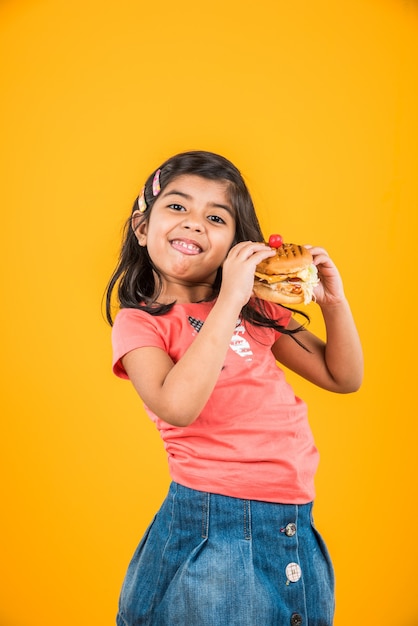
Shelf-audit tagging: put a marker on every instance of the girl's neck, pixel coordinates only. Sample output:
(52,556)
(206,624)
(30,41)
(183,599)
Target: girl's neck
(186,294)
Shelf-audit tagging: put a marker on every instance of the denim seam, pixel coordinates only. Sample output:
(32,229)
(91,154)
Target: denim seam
(247,520)
(302,579)
(152,604)
(205,515)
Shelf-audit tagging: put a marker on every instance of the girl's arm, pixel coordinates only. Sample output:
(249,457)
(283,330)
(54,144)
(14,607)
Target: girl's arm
(337,364)
(178,392)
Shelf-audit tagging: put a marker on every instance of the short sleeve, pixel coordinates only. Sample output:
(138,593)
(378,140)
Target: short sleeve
(133,329)
(278,313)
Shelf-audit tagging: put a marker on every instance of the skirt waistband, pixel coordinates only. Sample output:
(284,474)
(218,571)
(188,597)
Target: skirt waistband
(210,512)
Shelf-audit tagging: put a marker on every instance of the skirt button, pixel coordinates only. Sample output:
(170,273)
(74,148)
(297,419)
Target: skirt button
(290,530)
(296,619)
(293,572)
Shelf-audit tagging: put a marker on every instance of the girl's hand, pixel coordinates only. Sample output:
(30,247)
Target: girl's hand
(239,267)
(330,288)
(337,363)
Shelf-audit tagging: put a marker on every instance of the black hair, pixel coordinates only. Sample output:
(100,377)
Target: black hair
(136,280)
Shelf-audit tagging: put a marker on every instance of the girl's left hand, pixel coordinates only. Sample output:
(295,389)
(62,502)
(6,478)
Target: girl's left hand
(330,288)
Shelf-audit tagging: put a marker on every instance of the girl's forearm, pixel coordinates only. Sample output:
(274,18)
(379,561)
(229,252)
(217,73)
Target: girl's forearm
(343,351)
(190,382)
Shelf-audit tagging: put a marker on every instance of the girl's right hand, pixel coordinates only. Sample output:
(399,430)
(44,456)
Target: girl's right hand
(239,267)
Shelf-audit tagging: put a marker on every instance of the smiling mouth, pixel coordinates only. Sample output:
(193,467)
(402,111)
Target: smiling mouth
(187,247)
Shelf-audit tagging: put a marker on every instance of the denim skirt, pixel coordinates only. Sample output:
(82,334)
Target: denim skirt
(211,560)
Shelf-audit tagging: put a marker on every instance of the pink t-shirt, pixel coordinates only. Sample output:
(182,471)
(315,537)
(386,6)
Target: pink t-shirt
(252,439)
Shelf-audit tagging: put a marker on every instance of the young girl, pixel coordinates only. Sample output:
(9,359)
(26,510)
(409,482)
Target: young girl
(233,544)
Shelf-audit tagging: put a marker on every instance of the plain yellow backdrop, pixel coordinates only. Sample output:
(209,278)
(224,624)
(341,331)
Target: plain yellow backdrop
(316,103)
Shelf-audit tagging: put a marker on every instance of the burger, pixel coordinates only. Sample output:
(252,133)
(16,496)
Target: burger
(288,277)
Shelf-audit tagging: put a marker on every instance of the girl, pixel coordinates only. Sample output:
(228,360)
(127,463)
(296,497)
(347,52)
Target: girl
(233,544)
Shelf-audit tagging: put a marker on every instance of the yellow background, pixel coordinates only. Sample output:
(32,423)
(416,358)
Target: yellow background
(316,102)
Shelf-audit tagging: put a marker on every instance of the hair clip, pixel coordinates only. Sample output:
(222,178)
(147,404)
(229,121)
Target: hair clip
(142,205)
(156,187)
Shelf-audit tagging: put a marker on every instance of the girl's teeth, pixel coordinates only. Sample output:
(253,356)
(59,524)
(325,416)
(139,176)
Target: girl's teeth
(189,246)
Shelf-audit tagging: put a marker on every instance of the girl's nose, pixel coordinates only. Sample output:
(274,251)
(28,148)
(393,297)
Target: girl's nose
(193,224)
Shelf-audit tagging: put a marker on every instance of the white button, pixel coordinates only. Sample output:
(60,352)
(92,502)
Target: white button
(293,572)
(290,529)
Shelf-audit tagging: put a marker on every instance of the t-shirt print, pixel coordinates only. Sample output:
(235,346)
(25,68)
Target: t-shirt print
(238,342)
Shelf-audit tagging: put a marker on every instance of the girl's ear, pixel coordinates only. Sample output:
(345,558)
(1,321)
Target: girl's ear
(140,227)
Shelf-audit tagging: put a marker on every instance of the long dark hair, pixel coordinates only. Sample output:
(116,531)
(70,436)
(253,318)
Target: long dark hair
(135,279)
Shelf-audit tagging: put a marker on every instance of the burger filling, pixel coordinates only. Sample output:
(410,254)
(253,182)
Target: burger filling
(300,282)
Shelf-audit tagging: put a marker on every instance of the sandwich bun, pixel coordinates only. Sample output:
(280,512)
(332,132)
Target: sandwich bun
(288,277)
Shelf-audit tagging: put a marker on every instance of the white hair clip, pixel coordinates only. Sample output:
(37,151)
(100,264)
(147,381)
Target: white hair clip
(156,187)
(142,205)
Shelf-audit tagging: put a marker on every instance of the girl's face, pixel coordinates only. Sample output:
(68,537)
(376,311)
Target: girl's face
(190,231)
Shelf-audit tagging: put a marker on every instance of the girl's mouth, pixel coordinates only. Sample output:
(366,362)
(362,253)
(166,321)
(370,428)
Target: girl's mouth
(185,246)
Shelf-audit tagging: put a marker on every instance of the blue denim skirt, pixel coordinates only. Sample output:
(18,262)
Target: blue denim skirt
(211,560)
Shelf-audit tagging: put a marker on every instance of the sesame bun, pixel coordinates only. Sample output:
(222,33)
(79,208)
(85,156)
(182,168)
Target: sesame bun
(289,258)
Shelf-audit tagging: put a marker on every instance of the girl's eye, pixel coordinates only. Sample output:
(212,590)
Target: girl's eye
(216,218)
(176,207)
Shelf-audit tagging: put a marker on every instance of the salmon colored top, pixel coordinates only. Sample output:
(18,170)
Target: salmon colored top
(252,439)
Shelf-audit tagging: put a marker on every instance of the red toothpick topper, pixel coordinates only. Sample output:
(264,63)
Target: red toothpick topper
(275,241)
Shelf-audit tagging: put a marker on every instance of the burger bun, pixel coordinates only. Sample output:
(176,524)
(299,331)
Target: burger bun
(288,277)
